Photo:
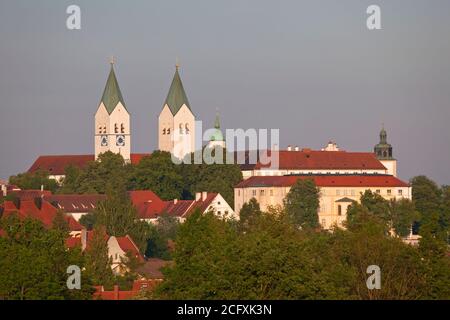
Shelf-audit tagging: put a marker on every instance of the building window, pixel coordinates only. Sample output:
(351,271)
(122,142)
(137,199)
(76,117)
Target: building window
(186,126)
(339,210)
(389,191)
(324,223)
(226,212)
(100,129)
(271,192)
(338,192)
(164,131)
(352,192)
(116,128)
(168,131)
(400,192)
(378,191)
(345,192)
(254,193)
(104,129)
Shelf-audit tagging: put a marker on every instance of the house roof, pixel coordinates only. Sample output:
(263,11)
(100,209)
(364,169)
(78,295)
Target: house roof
(324,181)
(29,194)
(127,245)
(112,95)
(152,268)
(176,96)
(73,203)
(147,203)
(307,159)
(117,294)
(345,199)
(45,214)
(57,164)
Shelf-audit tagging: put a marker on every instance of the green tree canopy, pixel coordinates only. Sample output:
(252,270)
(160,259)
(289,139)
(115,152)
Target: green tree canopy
(302,204)
(34,181)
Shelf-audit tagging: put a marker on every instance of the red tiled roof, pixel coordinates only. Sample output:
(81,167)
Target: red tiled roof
(324,181)
(307,159)
(30,194)
(147,203)
(183,208)
(45,214)
(128,245)
(75,202)
(56,165)
(152,268)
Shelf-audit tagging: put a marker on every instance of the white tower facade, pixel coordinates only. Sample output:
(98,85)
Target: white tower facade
(176,122)
(112,121)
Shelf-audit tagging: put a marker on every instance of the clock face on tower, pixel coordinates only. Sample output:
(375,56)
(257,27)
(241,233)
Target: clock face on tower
(104,141)
(120,140)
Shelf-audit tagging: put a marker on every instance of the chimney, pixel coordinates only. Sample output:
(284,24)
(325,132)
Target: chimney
(83,239)
(204,195)
(296,148)
(198,195)
(175,201)
(289,148)
(42,188)
(4,190)
(116,292)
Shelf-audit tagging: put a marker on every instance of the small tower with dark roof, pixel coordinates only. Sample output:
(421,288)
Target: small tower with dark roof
(383,152)
(112,120)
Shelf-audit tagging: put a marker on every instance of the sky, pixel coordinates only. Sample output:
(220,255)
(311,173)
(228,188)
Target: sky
(309,68)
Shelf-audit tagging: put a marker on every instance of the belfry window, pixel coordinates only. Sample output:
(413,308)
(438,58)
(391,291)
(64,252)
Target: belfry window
(100,129)
(164,131)
(186,126)
(168,131)
(104,129)
(116,128)
(122,128)
(181,128)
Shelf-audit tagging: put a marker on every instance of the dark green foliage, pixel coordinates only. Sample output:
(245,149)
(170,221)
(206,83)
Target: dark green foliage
(275,260)
(34,181)
(98,262)
(34,261)
(159,174)
(60,222)
(160,235)
(302,204)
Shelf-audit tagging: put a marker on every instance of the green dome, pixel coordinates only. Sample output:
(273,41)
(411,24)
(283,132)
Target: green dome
(217,135)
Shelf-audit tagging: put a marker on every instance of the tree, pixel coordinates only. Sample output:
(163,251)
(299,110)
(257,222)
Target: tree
(159,174)
(108,172)
(302,204)
(403,214)
(60,222)
(34,262)
(34,181)
(249,212)
(160,234)
(429,200)
(98,262)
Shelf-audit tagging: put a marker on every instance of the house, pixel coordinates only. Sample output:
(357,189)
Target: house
(38,209)
(337,192)
(75,205)
(118,247)
(150,207)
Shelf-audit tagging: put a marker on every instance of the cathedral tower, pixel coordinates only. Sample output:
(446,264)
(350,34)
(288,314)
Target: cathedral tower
(216,139)
(383,152)
(176,122)
(112,121)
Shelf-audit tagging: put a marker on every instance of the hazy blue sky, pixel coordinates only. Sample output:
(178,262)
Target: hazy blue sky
(310,68)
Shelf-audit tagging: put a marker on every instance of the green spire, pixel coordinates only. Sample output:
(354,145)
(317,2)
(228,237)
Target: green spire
(112,95)
(383,150)
(217,135)
(217,122)
(176,96)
